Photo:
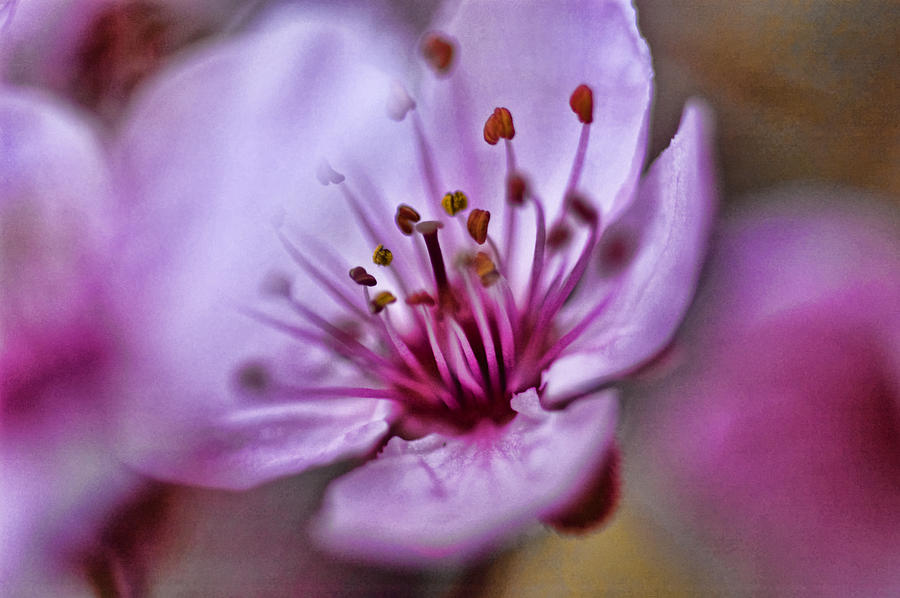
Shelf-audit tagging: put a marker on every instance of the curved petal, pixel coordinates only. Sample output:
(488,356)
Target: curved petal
(217,158)
(529,56)
(254,445)
(55,208)
(452,498)
(649,262)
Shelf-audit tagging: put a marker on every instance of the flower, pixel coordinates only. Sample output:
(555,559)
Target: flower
(475,376)
(775,441)
(56,341)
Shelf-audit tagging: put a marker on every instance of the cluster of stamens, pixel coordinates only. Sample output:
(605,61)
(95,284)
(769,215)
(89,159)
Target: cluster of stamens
(469,342)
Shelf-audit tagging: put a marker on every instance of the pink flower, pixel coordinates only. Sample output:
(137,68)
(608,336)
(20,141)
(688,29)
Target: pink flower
(57,466)
(776,443)
(475,372)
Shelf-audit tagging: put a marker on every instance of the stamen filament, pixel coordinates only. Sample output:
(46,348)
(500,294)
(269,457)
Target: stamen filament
(487,339)
(578,162)
(441,362)
(426,159)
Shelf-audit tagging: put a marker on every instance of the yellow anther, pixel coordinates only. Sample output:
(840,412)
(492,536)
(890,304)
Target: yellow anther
(485,269)
(382,256)
(381,300)
(455,202)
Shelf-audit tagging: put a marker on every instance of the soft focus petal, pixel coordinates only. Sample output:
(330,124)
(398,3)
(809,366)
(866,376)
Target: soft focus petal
(217,158)
(529,56)
(776,441)
(54,230)
(649,262)
(451,498)
(251,446)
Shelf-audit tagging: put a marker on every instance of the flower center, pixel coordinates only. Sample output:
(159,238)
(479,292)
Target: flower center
(464,346)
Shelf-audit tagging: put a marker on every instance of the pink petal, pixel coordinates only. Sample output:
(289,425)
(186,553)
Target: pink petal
(777,437)
(529,56)
(451,498)
(55,222)
(253,445)
(220,154)
(649,261)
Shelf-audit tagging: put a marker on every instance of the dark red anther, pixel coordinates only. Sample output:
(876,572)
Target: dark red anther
(405,218)
(558,235)
(582,103)
(477,225)
(438,51)
(420,298)
(499,125)
(361,277)
(252,377)
(516,187)
(582,208)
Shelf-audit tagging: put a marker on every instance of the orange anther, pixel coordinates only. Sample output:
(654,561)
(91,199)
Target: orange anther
(438,51)
(478,225)
(582,103)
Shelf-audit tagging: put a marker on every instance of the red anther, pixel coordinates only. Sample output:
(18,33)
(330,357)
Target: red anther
(478,225)
(558,235)
(582,208)
(582,103)
(516,187)
(252,377)
(438,51)
(499,125)
(405,218)
(361,277)
(420,298)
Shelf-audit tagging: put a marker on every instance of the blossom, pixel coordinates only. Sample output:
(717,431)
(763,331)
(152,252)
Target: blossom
(774,442)
(58,471)
(505,265)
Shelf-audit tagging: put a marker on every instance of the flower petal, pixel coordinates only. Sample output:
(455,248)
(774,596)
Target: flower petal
(649,262)
(451,498)
(529,56)
(217,158)
(55,226)
(254,445)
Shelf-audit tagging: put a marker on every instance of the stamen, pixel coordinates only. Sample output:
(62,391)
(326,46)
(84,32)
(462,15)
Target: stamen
(582,103)
(382,256)
(478,225)
(381,300)
(405,218)
(326,174)
(485,269)
(582,208)
(499,125)
(429,230)
(361,277)
(454,202)
(516,187)
(399,102)
(420,298)
(441,362)
(438,51)
(559,236)
(253,377)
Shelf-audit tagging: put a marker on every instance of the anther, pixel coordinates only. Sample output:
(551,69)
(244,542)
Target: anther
(276,285)
(381,300)
(558,235)
(420,298)
(405,218)
(485,269)
(399,102)
(478,225)
(382,256)
(582,208)
(361,277)
(516,187)
(252,377)
(326,174)
(499,125)
(582,103)
(455,202)
(438,51)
